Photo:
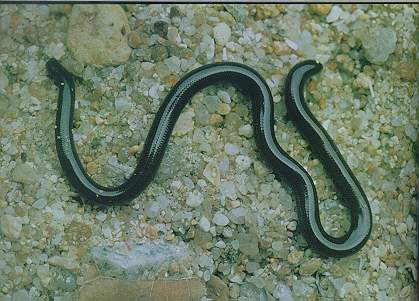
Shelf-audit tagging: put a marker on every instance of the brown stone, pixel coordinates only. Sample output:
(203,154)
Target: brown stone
(217,289)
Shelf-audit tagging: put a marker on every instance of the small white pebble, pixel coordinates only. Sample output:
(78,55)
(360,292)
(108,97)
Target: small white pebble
(246,130)
(231,149)
(194,199)
(220,219)
(204,224)
(243,162)
(222,33)
(334,14)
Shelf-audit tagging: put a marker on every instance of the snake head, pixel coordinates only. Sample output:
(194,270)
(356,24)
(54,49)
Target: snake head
(58,73)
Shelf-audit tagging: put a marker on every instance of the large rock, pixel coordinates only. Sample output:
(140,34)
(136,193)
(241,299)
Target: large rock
(97,34)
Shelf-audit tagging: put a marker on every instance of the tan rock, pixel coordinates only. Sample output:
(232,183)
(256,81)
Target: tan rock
(217,289)
(321,9)
(97,34)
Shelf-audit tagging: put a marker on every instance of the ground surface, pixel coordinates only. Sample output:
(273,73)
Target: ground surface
(213,198)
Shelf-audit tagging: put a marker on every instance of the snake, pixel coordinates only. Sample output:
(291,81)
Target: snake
(288,170)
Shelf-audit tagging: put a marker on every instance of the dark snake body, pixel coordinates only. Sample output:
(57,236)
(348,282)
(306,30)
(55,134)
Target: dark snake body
(254,86)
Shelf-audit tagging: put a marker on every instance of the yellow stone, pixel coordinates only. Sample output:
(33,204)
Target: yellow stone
(320,9)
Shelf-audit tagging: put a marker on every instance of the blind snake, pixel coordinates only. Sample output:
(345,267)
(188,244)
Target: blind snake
(282,165)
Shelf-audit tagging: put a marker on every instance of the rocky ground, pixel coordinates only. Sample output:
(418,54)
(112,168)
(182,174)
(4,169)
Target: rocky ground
(214,222)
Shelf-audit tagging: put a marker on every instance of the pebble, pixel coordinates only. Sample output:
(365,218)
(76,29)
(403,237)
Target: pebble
(260,169)
(43,273)
(228,190)
(341,286)
(248,244)
(223,108)
(194,199)
(39,204)
(158,53)
(217,289)
(172,34)
(224,96)
(334,14)
(220,219)
(212,103)
(238,215)
(185,123)
(234,291)
(246,130)
(243,162)
(405,71)
(283,292)
(378,43)
(212,173)
(222,33)
(320,9)
(295,256)
(54,50)
(4,81)
(98,34)
(161,28)
(152,209)
(215,119)
(310,267)
(11,226)
(123,103)
(21,295)
(204,224)
(252,266)
(173,63)
(67,262)
(231,149)
(134,40)
(24,173)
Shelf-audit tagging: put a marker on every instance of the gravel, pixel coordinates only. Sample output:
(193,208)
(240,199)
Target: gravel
(213,198)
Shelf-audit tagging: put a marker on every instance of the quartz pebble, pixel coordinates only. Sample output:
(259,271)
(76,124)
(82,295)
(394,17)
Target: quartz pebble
(378,43)
(222,33)
(246,130)
(185,123)
(220,219)
(238,215)
(194,199)
(228,190)
(204,224)
(212,173)
(334,14)
(24,173)
(172,34)
(231,149)
(56,51)
(243,162)
(283,292)
(224,96)
(248,244)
